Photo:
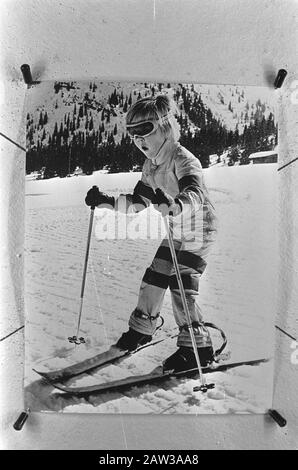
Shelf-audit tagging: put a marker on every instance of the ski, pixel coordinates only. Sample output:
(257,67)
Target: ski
(101,359)
(155,376)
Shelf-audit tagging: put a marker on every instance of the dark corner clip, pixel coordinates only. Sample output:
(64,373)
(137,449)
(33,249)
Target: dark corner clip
(281,75)
(280,420)
(18,425)
(27,76)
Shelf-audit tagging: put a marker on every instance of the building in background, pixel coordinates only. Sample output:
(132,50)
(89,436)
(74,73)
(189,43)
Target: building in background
(264,157)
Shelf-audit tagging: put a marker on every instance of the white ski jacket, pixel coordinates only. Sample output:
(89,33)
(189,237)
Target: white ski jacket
(178,173)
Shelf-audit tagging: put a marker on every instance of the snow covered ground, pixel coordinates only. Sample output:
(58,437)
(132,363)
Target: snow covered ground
(238,293)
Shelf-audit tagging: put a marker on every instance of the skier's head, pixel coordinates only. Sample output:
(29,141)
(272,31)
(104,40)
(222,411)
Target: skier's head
(153,115)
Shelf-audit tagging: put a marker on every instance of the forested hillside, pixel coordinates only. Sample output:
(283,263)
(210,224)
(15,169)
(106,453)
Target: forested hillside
(82,125)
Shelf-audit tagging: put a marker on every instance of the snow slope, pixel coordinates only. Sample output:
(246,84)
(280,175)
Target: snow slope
(237,293)
(228,103)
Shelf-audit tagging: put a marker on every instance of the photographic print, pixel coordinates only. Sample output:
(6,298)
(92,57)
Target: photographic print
(150,247)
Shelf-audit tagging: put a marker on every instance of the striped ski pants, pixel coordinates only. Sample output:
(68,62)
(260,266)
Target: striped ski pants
(159,276)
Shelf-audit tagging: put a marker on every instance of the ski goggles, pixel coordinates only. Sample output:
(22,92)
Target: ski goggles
(144,128)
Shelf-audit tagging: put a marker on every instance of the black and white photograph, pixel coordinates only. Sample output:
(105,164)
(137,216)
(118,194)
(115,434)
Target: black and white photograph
(150,247)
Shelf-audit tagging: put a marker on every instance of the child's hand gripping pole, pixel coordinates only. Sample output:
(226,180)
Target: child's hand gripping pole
(76,339)
(162,199)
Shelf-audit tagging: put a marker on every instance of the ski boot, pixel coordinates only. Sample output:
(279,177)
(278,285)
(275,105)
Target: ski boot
(131,340)
(184,359)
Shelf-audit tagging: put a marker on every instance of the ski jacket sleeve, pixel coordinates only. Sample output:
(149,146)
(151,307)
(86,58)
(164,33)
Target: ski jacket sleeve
(192,190)
(139,200)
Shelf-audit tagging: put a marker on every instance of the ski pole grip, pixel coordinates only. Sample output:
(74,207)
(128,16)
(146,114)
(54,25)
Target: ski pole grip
(93,187)
(162,199)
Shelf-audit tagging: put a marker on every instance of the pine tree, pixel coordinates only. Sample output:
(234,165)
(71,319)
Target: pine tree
(55,129)
(65,135)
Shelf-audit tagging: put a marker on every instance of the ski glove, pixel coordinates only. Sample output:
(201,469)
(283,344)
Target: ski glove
(96,198)
(166,204)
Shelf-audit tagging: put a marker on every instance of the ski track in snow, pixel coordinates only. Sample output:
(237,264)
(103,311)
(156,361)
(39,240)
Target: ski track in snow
(237,293)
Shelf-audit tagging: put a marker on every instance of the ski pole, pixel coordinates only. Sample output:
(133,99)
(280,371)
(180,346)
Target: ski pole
(75,339)
(204,386)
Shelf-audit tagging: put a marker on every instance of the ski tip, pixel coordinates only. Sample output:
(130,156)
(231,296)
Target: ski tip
(42,374)
(49,376)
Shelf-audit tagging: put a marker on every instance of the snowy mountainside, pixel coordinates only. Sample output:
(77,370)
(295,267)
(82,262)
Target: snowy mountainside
(101,106)
(237,106)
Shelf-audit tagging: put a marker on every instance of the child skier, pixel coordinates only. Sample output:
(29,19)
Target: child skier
(178,173)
